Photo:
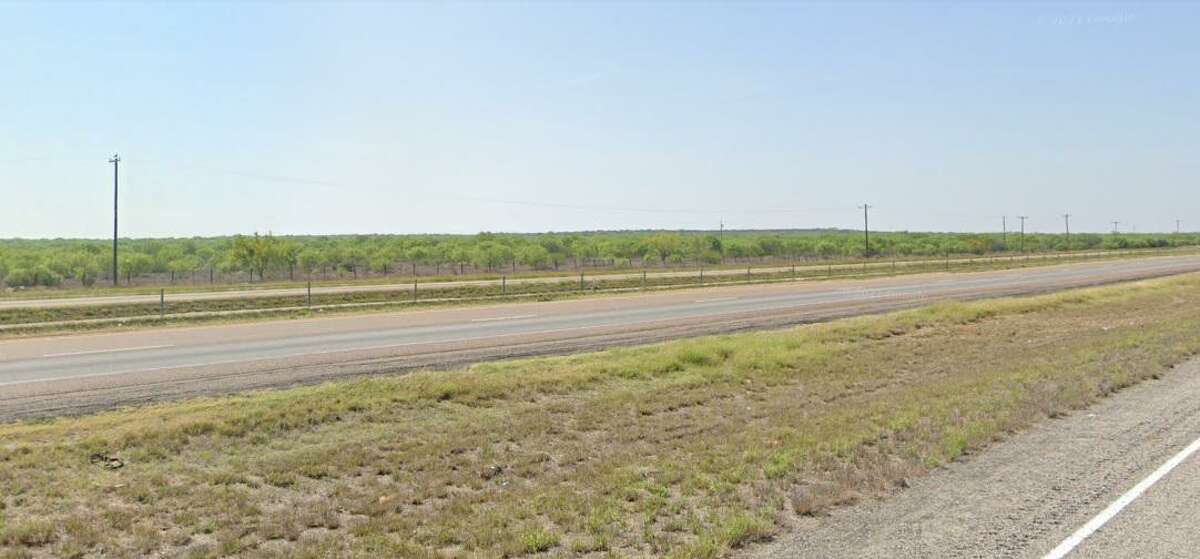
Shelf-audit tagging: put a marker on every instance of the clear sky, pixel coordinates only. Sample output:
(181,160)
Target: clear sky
(410,118)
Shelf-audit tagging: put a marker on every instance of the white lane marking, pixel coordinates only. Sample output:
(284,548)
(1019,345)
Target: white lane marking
(495,318)
(96,351)
(1107,514)
(715,300)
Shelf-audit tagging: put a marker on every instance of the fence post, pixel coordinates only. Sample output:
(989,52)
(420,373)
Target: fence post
(701,275)
(643,280)
(504,285)
(747,273)
(414,289)
(162,302)
(793,270)
(581,280)
(830,273)
(308,295)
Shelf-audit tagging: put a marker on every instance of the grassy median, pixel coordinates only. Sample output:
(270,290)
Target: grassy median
(683,449)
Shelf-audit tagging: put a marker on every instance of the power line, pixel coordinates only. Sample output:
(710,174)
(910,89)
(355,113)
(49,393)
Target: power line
(589,208)
(580,207)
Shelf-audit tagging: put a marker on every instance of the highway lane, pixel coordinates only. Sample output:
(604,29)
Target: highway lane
(39,374)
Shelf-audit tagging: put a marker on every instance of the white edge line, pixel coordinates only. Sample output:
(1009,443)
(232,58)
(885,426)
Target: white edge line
(72,353)
(1068,545)
(495,318)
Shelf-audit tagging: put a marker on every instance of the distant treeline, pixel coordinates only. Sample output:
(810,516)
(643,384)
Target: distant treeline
(27,263)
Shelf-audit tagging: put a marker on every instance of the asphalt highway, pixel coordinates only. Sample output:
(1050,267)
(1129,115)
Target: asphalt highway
(69,374)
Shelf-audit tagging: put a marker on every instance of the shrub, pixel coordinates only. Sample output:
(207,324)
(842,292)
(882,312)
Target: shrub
(32,277)
(537,541)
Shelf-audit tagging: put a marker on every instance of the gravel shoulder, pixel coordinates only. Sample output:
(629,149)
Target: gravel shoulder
(1022,497)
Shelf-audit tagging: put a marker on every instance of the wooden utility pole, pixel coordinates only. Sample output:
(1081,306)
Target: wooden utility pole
(1022,218)
(1067,221)
(116,163)
(866,231)
(722,240)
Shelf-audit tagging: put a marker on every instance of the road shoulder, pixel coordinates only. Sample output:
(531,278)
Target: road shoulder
(1023,496)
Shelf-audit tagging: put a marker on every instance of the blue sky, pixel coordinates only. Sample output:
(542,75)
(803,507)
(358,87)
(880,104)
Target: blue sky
(455,118)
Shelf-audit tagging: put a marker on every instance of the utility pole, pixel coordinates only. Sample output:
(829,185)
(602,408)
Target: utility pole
(1116,229)
(722,240)
(116,163)
(1022,218)
(866,231)
(1004,230)
(1067,220)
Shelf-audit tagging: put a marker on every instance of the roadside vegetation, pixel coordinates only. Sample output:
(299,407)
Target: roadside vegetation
(242,259)
(687,449)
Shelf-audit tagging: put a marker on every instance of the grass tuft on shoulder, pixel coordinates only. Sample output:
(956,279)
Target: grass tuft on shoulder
(684,449)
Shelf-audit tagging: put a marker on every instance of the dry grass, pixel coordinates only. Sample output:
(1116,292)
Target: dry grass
(683,449)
